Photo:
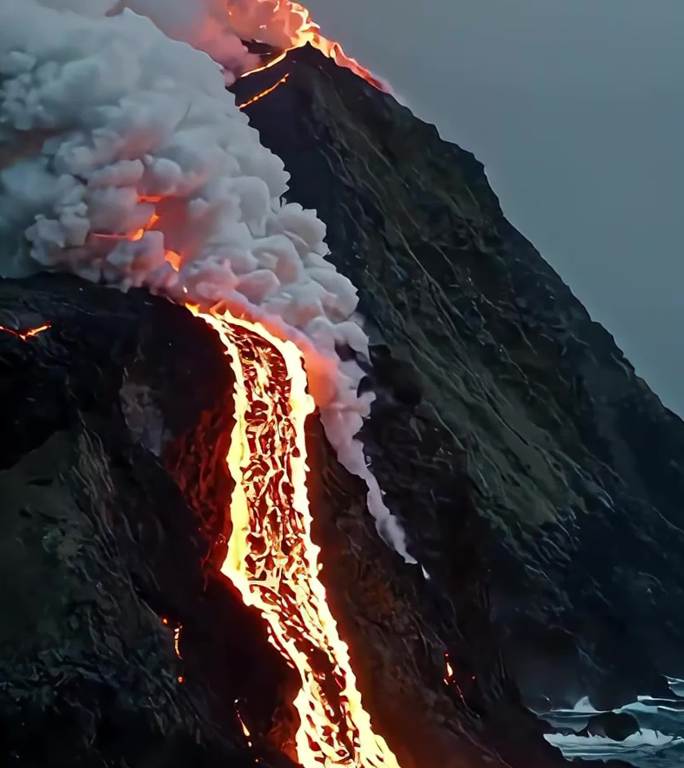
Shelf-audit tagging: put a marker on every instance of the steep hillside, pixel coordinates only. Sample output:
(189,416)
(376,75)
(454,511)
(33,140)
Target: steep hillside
(526,458)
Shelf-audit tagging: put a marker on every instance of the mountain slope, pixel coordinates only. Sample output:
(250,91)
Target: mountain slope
(511,435)
(536,475)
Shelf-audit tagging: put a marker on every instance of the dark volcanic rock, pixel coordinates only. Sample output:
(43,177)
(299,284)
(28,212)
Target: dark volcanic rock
(539,478)
(107,418)
(113,482)
(612,725)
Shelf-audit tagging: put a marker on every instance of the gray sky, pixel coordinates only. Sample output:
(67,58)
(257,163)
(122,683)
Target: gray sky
(576,107)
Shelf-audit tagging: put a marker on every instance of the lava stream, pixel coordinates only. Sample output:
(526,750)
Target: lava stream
(271,557)
(266,92)
(28,333)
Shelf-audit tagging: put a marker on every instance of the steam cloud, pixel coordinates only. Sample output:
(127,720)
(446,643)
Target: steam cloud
(124,160)
(214,26)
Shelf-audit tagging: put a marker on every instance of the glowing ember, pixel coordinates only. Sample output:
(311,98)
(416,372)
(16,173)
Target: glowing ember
(452,681)
(309,32)
(243,726)
(176,640)
(449,675)
(272,559)
(27,334)
(260,96)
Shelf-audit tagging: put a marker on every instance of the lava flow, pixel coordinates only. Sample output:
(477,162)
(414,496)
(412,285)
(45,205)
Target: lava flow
(264,93)
(27,334)
(272,559)
(307,31)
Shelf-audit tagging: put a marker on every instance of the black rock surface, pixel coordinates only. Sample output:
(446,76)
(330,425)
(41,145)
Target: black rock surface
(525,457)
(615,726)
(114,426)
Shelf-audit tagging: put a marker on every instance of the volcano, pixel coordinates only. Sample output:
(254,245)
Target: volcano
(536,476)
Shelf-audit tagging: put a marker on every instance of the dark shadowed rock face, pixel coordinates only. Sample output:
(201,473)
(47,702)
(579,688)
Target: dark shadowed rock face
(114,426)
(113,482)
(611,725)
(527,460)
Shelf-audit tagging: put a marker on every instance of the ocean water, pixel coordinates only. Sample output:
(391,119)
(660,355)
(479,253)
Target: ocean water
(658,744)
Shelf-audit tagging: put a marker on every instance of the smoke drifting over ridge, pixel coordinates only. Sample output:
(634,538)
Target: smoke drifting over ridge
(217,27)
(124,160)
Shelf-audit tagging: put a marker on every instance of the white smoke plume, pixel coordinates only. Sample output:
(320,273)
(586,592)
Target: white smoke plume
(124,160)
(217,27)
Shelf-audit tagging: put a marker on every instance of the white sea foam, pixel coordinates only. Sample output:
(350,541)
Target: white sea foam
(661,730)
(575,746)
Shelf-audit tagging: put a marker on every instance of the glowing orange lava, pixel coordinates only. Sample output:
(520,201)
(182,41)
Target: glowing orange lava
(27,334)
(264,93)
(272,559)
(172,258)
(176,640)
(243,726)
(449,674)
(309,32)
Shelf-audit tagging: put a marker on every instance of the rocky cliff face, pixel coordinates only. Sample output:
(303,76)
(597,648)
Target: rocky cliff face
(536,475)
(121,644)
(114,426)
(527,460)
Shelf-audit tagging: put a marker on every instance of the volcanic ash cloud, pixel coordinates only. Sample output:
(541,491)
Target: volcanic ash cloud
(124,160)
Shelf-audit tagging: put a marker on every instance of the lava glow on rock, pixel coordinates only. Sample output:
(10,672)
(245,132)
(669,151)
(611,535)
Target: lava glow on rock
(272,559)
(267,91)
(26,334)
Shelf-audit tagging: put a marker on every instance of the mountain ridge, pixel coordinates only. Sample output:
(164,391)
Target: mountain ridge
(556,429)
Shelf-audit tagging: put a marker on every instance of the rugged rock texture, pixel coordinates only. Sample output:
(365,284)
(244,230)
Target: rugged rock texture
(107,417)
(538,479)
(527,460)
(614,726)
(113,483)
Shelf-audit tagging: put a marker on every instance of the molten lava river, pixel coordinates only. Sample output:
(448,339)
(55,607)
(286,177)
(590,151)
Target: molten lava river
(272,559)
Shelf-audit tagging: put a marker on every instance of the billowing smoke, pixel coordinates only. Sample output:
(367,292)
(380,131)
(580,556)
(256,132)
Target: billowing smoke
(124,160)
(214,26)
(279,23)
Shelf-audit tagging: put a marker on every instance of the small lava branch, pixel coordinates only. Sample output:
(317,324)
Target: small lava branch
(27,333)
(272,559)
(266,92)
